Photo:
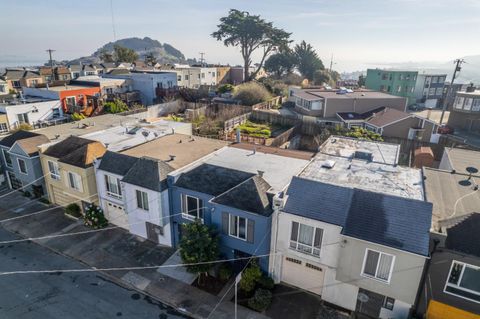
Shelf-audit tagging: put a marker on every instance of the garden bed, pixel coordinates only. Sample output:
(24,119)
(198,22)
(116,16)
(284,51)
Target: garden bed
(210,284)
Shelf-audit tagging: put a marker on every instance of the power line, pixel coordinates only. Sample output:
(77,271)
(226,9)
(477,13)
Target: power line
(458,68)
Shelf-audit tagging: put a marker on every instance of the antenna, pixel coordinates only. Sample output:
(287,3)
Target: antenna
(113,21)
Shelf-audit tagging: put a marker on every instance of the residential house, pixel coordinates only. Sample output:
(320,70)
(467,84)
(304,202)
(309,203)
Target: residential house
(32,111)
(325,104)
(151,84)
(390,122)
(132,185)
(465,113)
(429,89)
(74,98)
(21,162)
(395,82)
(70,175)
(356,227)
(233,190)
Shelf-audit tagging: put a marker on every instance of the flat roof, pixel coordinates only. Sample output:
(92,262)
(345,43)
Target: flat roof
(383,153)
(127,136)
(449,194)
(185,148)
(464,161)
(277,170)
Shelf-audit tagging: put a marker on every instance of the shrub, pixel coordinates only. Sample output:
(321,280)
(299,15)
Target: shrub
(73,210)
(261,300)
(225,88)
(94,217)
(251,93)
(250,277)
(77,116)
(266,282)
(225,272)
(117,106)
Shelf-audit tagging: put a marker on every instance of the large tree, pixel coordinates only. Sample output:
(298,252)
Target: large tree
(198,247)
(250,33)
(281,63)
(123,54)
(308,60)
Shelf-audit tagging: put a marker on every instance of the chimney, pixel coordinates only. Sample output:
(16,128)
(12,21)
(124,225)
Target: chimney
(260,173)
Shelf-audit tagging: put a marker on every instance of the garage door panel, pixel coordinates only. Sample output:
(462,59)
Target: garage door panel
(302,274)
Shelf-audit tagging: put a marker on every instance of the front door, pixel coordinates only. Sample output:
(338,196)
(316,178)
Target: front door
(153,231)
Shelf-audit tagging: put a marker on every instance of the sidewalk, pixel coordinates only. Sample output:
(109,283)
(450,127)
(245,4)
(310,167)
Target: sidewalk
(115,248)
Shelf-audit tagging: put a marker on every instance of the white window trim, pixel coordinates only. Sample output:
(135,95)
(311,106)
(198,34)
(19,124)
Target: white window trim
(363,274)
(76,178)
(185,210)
(53,175)
(459,280)
(238,227)
(20,168)
(313,241)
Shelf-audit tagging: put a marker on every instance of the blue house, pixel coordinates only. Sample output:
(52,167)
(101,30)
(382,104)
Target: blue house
(233,191)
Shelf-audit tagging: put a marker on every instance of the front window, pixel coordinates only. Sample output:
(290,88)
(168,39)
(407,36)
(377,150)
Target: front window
(113,186)
(237,227)
(54,171)
(464,281)
(378,265)
(142,200)
(192,207)
(8,158)
(74,181)
(22,166)
(306,239)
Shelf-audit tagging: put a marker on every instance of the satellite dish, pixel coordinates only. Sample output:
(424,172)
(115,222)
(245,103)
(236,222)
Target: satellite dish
(362,297)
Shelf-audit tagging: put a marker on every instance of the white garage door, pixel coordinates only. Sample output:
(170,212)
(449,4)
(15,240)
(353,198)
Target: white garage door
(302,274)
(116,214)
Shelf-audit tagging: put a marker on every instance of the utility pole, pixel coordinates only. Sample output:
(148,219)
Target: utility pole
(458,63)
(50,51)
(202,59)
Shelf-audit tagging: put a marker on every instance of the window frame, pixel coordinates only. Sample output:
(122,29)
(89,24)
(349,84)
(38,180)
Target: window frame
(457,286)
(363,274)
(237,222)
(55,175)
(186,210)
(144,200)
(20,167)
(312,246)
(116,181)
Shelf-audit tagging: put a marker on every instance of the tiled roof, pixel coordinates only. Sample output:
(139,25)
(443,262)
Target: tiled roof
(378,218)
(250,195)
(116,163)
(149,173)
(211,179)
(9,140)
(76,151)
(465,236)
(30,144)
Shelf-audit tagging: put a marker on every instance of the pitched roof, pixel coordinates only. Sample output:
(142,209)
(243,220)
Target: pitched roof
(390,220)
(76,151)
(149,173)
(319,201)
(250,195)
(9,140)
(378,218)
(211,179)
(30,144)
(116,163)
(387,116)
(465,236)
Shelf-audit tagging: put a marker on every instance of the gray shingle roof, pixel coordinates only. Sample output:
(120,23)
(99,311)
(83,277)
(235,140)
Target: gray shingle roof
(392,221)
(319,201)
(117,163)
(211,179)
(465,236)
(250,195)
(148,173)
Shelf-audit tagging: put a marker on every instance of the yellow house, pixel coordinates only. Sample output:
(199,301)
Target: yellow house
(68,166)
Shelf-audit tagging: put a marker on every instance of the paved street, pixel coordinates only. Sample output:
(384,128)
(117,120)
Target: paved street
(64,295)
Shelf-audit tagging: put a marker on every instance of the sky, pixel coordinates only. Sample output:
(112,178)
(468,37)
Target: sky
(358,33)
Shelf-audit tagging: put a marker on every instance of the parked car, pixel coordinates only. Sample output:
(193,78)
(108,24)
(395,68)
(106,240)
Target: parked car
(445,129)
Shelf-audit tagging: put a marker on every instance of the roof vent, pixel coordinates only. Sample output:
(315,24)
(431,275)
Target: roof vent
(328,164)
(362,155)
